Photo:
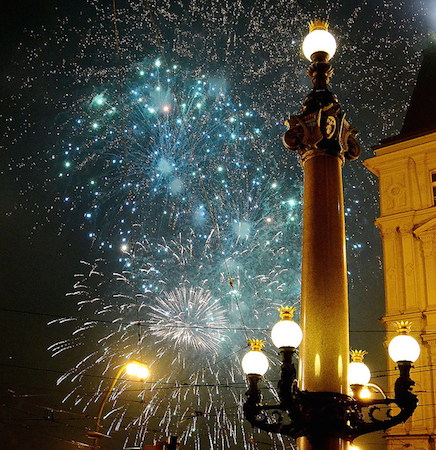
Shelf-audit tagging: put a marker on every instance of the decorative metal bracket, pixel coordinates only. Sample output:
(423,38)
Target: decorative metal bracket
(325,129)
(313,414)
(321,121)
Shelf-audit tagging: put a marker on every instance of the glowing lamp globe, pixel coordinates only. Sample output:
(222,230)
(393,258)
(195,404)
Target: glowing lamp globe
(365,394)
(286,333)
(319,40)
(358,371)
(255,362)
(404,347)
(138,370)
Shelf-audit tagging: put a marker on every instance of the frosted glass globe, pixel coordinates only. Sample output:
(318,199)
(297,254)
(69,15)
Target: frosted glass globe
(254,362)
(319,41)
(142,372)
(286,333)
(404,347)
(358,373)
(138,370)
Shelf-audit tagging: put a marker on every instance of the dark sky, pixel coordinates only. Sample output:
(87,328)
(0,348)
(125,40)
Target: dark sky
(34,273)
(53,55)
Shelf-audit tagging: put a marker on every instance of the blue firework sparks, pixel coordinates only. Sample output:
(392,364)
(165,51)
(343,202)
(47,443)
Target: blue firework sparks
(150,194)
(205,230)
(177,129)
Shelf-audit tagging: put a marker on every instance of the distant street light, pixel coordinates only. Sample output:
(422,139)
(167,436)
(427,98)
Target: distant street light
(133,368)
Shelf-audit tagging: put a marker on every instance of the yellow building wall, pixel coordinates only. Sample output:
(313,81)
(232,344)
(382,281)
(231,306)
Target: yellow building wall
(407,226)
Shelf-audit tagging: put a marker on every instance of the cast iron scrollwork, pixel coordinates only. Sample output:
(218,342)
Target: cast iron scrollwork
(325,129)
(312,414)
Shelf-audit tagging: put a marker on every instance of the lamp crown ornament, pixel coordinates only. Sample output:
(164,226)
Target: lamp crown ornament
(403,326)
(287,312)
(357,355)
(318,24)
(256,344)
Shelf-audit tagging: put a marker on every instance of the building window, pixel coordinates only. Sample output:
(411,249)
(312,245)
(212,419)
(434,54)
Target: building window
(433,186)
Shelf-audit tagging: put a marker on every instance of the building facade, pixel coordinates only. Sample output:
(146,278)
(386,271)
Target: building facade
(406,168)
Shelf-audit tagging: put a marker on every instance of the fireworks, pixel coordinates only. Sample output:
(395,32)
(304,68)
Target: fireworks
(182,138)
(188,319)
(206,233)
(192,336)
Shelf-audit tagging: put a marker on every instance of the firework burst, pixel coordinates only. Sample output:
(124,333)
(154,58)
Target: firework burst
(188,318)
(178,131)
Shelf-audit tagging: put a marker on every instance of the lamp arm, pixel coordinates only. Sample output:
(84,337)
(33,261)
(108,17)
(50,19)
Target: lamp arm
(358,429)
(106,397)
(287,386)
(312,414)
(256,413)
(272,423)
(404,399)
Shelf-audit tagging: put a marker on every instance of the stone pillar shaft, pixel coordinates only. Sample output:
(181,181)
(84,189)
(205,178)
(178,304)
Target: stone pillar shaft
(324,352)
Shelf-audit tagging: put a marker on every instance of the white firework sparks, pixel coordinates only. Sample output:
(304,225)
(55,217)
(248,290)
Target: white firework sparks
(189,318)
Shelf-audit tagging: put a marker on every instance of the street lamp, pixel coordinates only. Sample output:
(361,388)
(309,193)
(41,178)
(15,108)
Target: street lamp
(255,362)
(358,373)
(286,333)
(316,408)
(319,43)
(133,368)
(403,347)
(317,415)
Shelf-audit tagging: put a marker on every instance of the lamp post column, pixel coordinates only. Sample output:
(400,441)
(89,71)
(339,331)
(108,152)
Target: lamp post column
(319,411)
(324,139)
(324,300)
(324,350)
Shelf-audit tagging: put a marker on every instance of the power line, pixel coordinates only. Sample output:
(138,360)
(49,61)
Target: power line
(211,327)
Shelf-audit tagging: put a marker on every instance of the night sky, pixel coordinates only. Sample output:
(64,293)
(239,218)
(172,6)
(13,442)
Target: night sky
(201,144)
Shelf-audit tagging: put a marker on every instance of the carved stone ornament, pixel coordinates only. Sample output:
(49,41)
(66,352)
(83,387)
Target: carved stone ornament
(330,127)
(325,129)
(304,131)
(348,142)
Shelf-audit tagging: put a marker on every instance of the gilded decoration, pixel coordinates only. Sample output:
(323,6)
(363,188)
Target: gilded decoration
(325,129)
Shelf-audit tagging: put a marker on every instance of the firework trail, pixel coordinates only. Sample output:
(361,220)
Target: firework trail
(190,337)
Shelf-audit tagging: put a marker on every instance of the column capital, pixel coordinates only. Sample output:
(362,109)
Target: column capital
(387,232)
(406,228)
(324,131)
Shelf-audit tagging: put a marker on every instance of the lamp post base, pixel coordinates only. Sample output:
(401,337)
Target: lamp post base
(326,443)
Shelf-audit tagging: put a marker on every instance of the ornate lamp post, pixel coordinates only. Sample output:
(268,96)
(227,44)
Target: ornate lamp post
(133,368)
(318,410)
